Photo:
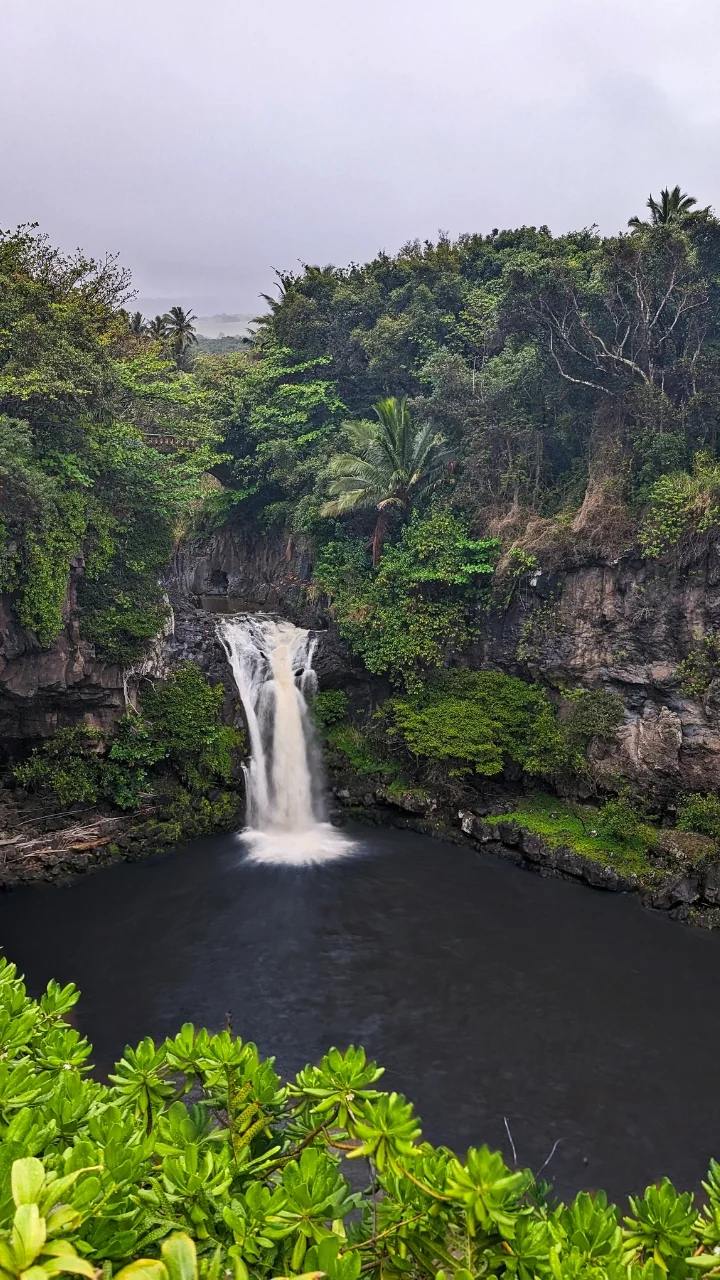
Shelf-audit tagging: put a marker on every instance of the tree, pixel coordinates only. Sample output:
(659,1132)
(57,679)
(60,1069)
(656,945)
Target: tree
(626,312)
(179,331)
(137,324)
(89,509)
(673,206)
(392,463)
(279,419)
(158,327)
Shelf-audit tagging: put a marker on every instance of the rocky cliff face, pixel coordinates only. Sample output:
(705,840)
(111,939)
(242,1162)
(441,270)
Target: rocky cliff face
(622,626)
(239,571)
(43,690)
(625,627)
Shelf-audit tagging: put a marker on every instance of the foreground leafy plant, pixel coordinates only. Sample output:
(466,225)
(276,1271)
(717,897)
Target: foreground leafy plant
(197,1158)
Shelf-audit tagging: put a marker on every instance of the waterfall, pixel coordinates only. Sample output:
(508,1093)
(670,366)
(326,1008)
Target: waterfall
(271,662)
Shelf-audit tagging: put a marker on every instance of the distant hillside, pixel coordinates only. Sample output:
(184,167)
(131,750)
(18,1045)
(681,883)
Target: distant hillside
(220,346)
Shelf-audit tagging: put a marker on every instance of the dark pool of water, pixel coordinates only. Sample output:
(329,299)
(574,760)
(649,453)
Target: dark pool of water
(485,991)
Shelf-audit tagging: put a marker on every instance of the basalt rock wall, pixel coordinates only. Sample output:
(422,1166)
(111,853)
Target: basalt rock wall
(622,626)
(43,690)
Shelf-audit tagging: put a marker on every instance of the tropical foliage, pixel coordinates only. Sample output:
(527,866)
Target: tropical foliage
(423,597)
(87,501)
(544,361)
(196,1161)
(177,733)
(392,463)
(482,721)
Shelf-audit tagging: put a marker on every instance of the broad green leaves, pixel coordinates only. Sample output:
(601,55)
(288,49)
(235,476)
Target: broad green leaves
(195,1163)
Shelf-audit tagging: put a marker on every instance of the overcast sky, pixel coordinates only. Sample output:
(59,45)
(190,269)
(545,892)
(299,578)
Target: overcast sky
(210,141)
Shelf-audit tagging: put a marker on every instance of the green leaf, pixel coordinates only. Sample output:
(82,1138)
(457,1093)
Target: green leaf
(69,1262)
(143,1269)
(27,1180)
(28,1234)
(180,1257)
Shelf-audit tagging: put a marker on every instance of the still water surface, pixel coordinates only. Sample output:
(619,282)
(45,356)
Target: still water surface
(485,991)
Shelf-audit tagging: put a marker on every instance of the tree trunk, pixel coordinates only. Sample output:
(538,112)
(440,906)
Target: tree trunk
(378,537)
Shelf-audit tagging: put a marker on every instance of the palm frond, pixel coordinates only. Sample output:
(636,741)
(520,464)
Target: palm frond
(360,435)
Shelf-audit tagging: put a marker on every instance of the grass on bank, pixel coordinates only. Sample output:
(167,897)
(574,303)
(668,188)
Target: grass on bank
(570,825)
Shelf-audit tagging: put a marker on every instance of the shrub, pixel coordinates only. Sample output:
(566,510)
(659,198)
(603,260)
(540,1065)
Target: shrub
(700,813)
(401,617)
(179,725)
(620,819)
(681,504)
(329,707)
(702,665)
(362,753)
(67,765)
(480,720)
(593,714)
(198,1137)
(184,721)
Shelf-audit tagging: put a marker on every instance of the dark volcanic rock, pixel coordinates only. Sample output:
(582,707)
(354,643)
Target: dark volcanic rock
(43,690)
(624,628)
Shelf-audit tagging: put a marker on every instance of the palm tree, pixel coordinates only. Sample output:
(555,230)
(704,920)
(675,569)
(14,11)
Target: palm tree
(158,327)
(392,463)
(673,206)
(180,331)
(137,324)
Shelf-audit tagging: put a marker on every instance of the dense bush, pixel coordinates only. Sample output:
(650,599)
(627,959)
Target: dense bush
(67,765)
(697,672)
(682,504)
(403,615)
(622,818)
(593,714)
(700,813)
(362,748)
(198,1139)
(178,727)
(329,707)
(481,720)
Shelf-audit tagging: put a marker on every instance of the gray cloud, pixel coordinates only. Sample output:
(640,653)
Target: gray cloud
(209,143)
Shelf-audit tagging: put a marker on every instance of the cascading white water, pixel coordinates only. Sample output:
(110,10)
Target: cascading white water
(271,661)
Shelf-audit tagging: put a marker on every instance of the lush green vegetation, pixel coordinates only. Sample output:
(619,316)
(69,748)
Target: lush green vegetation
(85,496)
(461,723)
(540,359)
(481,721)
(403,615)
(198,1162)
(175,737)
(700,813)
(615,836)
(438,426)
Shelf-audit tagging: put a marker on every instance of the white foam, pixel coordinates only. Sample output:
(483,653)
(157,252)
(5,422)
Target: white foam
(319,843)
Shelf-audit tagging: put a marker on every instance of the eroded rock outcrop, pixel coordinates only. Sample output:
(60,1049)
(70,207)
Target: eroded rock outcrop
(624,627)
